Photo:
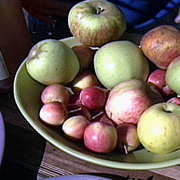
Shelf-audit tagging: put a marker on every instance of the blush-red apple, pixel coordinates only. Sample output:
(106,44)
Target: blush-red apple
(100,137)
(157,78)
(161,45)
(54,113)
(128,100)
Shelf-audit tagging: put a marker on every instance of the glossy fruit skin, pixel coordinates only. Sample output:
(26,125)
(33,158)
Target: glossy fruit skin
(174,100)
(96,22)
(113,63)
(100,137)
(55,93)
(157,78)
(128,100)
(159,128)
(54,113)
(173,74)
(93,97)
(75,126)
(127,137)
(52,62)
(84,80)
(161,45)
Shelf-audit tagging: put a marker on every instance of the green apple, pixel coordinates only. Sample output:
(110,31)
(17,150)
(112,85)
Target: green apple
(159,128)
(51,61)
(96,22)
(173,74)
(119,61)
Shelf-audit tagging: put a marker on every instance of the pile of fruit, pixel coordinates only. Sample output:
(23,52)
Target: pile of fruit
(111,93)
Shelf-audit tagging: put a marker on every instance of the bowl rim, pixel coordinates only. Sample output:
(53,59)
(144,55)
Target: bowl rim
(80,155)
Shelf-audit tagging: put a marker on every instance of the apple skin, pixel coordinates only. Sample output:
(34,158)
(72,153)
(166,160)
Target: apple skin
(75,126)
(54,113)
(55,93)
(100,137)
(120,61)
(127,137)
(52,62)
(161,45)
(93,98)
(85,55)
(172,75)
(96,22)
(174,100)
(128,100)
(84,80)
(159,128)
(157,78)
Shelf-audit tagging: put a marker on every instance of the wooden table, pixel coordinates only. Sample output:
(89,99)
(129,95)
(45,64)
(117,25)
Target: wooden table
(28,156)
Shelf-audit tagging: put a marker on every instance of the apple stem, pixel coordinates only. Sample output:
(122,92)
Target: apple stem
(99,10)
(75,110)
(125,148)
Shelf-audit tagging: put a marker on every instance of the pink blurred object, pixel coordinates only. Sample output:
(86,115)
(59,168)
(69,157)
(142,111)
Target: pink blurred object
(2,137)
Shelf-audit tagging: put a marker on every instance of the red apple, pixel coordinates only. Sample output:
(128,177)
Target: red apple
(55,93)
(161,45)
(75,126)
(93,97)
(174,100)
(74,99)
(54,113)
(100,137)
(128,100)
(127,137)
(157,78)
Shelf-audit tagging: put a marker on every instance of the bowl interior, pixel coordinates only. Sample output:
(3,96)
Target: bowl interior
(27,97)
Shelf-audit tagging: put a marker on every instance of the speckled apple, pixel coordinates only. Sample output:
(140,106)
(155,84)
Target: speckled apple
(161,45)
(96,22)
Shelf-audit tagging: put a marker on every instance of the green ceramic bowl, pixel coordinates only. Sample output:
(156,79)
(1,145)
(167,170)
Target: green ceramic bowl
(27,96)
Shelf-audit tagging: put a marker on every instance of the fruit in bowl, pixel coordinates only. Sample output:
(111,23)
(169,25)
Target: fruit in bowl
(127,137)
(119,61)
(157,78)
(128,100)
(100,137)
(51,61)
(173,74)
(81,130)
(27,93)
(161,45)
(159,128)
(83,80)
(96,22)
